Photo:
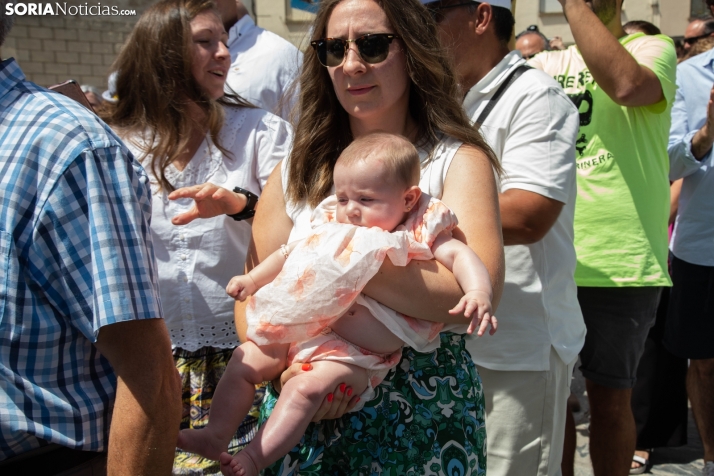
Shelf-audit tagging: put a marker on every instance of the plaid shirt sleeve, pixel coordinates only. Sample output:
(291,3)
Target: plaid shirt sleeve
(92,251)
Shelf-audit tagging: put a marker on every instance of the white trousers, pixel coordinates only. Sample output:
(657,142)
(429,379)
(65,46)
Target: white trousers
(525,418)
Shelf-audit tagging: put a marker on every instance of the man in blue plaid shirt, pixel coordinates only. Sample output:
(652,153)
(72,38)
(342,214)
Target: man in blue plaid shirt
(81,339)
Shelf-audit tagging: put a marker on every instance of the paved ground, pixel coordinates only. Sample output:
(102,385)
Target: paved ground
(685,460)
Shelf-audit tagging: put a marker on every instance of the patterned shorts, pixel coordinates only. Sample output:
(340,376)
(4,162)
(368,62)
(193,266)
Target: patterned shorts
(200,372)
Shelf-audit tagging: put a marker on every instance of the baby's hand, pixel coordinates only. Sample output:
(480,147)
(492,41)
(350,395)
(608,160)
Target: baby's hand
(480,302)
(240,287)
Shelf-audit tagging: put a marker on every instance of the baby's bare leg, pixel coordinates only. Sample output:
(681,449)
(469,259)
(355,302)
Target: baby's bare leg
(249,366)
(298,402)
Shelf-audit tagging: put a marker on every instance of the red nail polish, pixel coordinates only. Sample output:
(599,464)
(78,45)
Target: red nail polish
(357,399)
(330,397)
(342,387)
(349,392)
(305,367)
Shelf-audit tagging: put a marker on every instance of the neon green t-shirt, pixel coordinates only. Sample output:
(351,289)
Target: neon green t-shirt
(622,169)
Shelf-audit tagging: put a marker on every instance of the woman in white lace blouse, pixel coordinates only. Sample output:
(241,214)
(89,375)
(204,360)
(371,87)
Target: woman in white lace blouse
(197,146)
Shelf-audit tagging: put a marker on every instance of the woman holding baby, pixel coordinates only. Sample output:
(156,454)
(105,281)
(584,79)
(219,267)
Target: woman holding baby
(377,66)
(372,66)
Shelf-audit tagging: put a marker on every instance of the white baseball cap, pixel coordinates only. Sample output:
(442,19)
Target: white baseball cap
(494,3)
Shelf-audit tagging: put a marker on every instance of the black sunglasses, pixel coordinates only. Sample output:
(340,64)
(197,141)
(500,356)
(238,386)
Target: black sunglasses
(694,39)
(373,48)
(435,8)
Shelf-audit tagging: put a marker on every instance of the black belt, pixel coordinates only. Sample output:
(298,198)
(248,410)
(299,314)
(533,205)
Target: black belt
(46,461)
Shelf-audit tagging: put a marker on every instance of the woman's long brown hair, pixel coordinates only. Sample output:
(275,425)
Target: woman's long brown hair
(155,85)
(323,130)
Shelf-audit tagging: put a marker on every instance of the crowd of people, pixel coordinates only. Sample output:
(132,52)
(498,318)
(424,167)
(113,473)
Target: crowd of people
(260,261)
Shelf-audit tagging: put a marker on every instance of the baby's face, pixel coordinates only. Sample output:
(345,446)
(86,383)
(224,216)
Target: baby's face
(366,198)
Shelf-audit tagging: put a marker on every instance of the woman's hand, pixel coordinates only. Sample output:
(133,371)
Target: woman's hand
(209,201)
(334,405)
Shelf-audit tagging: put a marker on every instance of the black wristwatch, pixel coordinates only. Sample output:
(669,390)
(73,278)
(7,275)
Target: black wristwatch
(249,209)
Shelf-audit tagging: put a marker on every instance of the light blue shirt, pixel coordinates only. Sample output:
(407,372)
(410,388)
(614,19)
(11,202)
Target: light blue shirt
(693,238)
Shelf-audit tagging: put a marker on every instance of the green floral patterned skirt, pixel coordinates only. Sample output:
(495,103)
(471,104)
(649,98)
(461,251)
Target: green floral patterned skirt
(426,419)
(200,372)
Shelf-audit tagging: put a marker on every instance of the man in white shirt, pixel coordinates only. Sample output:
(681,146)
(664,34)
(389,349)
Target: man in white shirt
(264,66)
(527,365)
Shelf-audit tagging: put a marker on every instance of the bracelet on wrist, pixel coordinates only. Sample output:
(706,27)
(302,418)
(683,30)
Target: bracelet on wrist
(284,251)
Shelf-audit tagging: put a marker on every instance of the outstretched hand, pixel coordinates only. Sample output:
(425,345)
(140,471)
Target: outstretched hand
(209,201)
(480,302)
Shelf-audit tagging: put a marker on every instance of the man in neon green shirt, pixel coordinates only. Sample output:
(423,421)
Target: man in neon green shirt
(624,88)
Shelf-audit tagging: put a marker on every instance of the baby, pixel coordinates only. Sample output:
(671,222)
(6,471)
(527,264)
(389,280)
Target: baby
(310,307)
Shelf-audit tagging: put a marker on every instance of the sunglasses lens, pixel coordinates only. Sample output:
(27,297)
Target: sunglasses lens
(373,48)
(334,52)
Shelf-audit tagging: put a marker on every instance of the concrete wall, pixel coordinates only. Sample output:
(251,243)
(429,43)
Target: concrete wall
(671,16)
(278,17)
(52,49)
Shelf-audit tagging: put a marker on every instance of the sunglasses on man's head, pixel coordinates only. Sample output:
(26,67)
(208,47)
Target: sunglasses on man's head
(373,48)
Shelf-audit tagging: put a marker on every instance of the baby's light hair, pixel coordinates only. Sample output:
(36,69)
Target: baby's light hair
(400,157)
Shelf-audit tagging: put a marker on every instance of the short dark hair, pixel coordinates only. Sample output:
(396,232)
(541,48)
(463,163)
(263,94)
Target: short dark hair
(708,27)
(5,22)
(503,23)
(644,26)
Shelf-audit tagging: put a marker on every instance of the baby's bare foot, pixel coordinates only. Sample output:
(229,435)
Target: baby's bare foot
(201,442)
(239,465)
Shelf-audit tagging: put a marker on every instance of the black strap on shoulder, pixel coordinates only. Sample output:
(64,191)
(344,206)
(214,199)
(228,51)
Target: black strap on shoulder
(515,74)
